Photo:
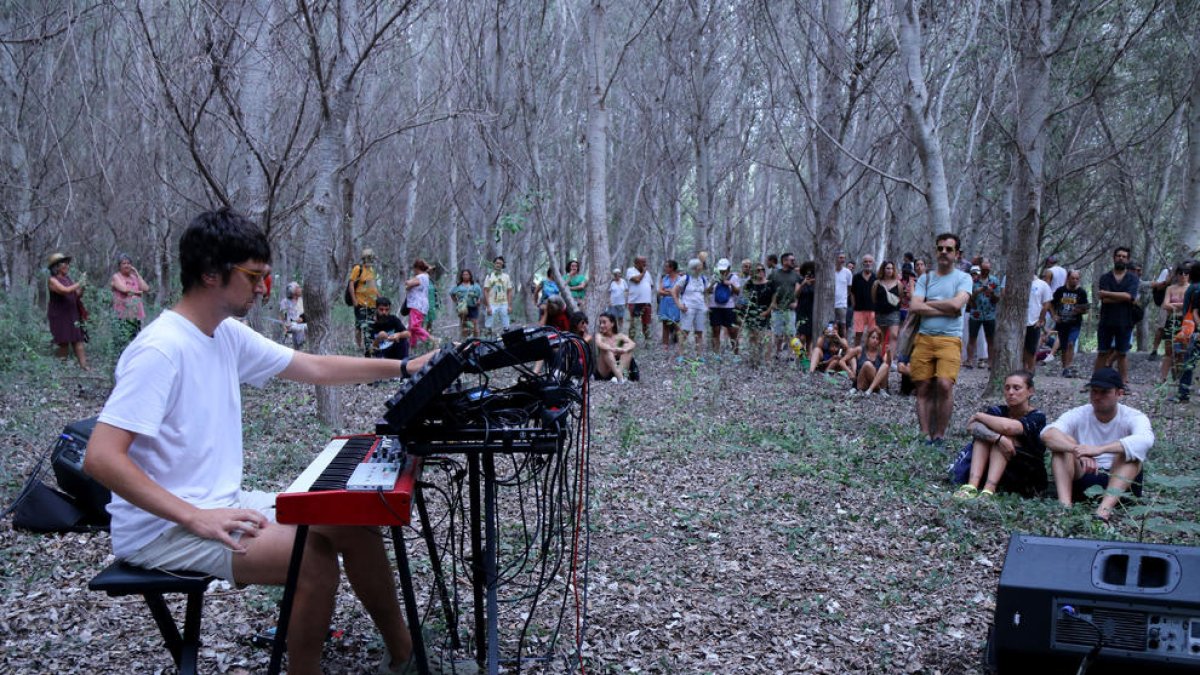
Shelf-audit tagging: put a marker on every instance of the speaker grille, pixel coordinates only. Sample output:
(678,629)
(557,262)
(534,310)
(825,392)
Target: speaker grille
(1122,629)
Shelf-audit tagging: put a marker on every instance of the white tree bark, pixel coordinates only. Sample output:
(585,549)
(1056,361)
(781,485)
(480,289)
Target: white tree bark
(596,144)
(255,95)
(1031,29)
(917,112)
(1189,231)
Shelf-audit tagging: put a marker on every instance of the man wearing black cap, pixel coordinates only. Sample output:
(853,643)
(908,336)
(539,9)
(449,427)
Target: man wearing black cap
(1102,443)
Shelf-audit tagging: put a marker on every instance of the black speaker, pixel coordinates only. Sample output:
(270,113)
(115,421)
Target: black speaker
(1058,597)
(67,461)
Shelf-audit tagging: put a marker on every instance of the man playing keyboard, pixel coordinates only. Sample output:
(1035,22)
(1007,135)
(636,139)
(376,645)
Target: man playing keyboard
(169,446)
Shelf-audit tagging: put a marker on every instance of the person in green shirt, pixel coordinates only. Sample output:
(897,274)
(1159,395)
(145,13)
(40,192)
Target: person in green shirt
(577,281)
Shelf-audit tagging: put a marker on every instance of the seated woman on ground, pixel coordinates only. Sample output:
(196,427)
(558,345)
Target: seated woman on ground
(579,326)
(1008,446)
(827,354)
(614,351)
(869,364)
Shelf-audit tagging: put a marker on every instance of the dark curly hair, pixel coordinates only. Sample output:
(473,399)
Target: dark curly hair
(215,241)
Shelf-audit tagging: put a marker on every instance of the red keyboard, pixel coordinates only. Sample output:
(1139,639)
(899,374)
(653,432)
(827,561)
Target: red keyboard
(319,495)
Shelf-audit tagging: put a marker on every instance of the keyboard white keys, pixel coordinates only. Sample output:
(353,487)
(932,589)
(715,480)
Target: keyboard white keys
(313,471)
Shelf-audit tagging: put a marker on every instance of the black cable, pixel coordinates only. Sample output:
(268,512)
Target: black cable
(40,469)
(1086,663)
(550,497)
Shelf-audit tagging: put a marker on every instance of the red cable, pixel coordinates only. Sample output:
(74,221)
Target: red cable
(583,449)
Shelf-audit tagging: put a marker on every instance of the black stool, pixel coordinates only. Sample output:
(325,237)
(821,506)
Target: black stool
(122,579)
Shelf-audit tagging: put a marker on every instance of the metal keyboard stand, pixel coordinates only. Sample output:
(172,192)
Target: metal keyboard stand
(412,615)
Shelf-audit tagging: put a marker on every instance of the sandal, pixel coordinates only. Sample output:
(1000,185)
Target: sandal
(966,491)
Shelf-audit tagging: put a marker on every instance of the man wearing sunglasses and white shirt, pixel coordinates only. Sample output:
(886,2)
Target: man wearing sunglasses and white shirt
(169,445)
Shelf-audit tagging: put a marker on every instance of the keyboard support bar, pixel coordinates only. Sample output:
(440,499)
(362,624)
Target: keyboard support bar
(435,563)
(289,595)
(412,616)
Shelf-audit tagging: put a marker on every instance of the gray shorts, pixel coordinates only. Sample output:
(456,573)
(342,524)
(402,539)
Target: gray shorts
(783,322)
(839,316)
(177,549)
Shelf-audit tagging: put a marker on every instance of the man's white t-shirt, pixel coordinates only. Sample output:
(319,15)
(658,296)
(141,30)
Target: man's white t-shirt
(1058,277)
(841,287)
(617,290)
(178,390)
(1039,293)
(642,292)
(1130,426)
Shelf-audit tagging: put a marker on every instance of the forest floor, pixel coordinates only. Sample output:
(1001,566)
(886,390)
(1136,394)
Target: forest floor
(742,521)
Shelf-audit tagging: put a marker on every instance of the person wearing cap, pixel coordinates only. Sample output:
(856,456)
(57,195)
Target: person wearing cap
(1117,292)
(618,293)
(497,296)
(1058,274)
(723,292)
(65,310)
(640,298)
(364,284)
(1101,443)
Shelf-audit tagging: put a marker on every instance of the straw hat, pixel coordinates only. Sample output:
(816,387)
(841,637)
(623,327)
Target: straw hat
(56,258)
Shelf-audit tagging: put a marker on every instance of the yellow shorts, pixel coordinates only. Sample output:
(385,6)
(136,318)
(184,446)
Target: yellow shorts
(935,356)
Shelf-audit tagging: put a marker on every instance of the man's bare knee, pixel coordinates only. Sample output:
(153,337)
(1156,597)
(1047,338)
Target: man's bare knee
(945,386)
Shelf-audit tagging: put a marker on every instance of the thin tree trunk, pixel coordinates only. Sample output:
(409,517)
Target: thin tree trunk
(596,148)
(1032,29)
(916,110)
(1189,231)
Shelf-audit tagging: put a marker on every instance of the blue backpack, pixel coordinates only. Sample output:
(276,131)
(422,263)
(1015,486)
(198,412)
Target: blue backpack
(549,288)
(722,293)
